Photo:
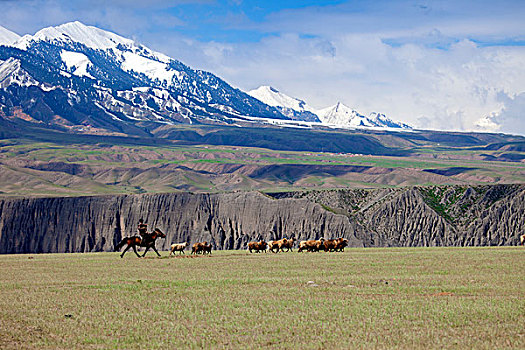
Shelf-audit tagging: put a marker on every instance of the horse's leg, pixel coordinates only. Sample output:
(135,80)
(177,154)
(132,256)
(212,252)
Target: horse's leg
(125,250)
(147,248)
(155,249)
(135,250)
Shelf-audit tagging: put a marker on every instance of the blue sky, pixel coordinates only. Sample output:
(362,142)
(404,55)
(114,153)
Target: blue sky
(456,65)
(234,21)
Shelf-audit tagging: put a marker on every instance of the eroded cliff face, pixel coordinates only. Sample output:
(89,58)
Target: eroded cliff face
(435,216)
(228,221)
(429,216)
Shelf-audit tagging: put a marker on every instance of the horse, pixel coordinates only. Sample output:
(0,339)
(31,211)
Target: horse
(147,241)
(522,239)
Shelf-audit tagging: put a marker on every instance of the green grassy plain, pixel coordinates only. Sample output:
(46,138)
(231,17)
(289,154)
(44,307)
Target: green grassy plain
(407,298)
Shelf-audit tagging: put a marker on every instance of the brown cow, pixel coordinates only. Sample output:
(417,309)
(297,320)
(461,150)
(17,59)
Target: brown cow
(335,245)
(329,245)
(302,246)
(206,249)
(201,248)
(311,245)
(257,246)
(522,239)
(341,244)
(275,246)
(288,245)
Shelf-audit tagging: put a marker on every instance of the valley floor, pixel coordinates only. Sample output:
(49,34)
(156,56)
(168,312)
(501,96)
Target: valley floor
(363,298)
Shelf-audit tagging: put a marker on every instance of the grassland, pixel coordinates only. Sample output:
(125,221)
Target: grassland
(408,298)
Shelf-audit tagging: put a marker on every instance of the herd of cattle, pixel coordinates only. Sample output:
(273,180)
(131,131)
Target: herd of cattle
(285,244)
(282,245)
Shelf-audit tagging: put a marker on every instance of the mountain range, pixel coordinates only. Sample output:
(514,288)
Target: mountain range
(83,79)
(338,115)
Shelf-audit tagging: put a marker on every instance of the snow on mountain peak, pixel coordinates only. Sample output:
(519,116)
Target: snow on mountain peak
(7,37)
(132,56)
(382,120)
(80,48)
(343,115)
(291,107)
(275,98)
(338,115)
(92,37)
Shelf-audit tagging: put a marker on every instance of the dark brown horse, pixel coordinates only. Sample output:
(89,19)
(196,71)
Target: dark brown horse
(147,241)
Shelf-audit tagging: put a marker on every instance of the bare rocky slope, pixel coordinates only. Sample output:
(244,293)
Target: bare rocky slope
(417,216)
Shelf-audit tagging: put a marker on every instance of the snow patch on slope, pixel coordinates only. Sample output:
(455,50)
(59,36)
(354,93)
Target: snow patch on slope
(76,62)
(149,67)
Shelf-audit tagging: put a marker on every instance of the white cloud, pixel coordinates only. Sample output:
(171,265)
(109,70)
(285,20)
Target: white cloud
(418,64)
(426,87)
(510,119)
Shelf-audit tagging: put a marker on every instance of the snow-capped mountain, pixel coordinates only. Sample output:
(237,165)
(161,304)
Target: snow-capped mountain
(75,74)
(344,116)
(382,120)
(337,115)
(340,114)
(79,77)
(7,37)
(293,108)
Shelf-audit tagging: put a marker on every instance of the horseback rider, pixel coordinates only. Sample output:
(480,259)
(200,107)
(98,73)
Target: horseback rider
(143,229)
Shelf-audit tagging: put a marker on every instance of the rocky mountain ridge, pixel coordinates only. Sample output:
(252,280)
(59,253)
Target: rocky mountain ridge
(78,76)
(418,216)
(82,79)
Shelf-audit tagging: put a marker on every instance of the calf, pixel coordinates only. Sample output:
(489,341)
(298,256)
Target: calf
(178,247)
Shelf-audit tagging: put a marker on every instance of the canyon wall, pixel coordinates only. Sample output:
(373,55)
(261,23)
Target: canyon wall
(419,216)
